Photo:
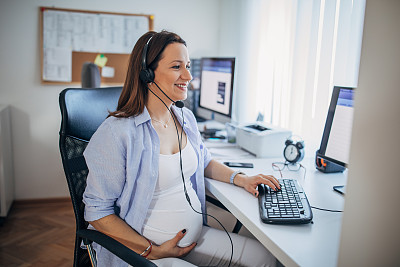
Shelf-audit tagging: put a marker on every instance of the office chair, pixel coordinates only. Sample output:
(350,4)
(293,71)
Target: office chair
(90,75)
(82,112)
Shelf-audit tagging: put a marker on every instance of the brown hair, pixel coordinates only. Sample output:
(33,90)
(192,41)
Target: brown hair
(135,93)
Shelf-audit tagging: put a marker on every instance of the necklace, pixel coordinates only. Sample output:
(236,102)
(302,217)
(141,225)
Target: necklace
(164,124)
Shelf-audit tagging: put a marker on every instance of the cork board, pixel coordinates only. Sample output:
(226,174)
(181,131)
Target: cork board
(70,38)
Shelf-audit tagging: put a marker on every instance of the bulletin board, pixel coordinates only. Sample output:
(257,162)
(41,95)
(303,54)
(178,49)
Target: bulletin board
(70,38)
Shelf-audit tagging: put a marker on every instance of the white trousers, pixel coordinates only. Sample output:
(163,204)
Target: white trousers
(214,249)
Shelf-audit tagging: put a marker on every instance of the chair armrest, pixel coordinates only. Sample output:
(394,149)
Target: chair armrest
(115,247)
(217,203)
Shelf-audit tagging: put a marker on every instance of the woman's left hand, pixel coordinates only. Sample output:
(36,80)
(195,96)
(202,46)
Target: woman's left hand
(250,183)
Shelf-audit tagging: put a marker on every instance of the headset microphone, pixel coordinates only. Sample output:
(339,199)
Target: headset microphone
(178,103)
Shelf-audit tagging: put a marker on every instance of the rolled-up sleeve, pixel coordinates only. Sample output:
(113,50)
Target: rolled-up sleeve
(207,155)
(105,158)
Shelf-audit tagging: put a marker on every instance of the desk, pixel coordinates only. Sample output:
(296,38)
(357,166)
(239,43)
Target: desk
(306,245)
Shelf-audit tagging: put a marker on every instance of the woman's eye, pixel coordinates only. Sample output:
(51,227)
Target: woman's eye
(188,67)
(176,67)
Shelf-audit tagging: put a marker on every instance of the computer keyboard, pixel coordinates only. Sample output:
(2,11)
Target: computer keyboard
(289,205)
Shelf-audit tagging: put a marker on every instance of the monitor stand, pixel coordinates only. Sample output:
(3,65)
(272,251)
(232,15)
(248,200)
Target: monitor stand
(324,165)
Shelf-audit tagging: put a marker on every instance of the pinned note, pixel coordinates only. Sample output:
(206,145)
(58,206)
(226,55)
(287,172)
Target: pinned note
(100,60)
(107,72)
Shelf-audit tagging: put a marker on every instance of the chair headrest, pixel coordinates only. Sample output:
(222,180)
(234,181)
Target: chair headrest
(83,110)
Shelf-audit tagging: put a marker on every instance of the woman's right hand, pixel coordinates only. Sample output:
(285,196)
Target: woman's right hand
(170,248)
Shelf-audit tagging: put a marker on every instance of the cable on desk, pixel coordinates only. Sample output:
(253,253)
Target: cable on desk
(326,209)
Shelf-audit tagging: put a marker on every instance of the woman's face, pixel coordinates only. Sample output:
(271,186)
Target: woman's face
(172,73)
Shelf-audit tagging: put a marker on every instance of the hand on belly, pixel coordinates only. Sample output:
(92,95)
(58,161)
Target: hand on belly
(163,226)
(169,214)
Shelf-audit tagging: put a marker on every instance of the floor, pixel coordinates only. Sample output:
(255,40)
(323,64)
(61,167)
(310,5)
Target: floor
(38,234)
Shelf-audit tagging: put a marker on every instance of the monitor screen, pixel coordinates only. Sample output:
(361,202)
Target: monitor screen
(216,85)
(335,145)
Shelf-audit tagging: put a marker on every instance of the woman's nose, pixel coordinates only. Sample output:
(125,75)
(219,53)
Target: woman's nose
(186,75)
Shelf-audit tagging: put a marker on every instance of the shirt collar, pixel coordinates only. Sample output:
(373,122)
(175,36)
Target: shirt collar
(142,117)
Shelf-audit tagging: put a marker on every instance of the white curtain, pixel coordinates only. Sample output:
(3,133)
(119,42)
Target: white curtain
(300,49)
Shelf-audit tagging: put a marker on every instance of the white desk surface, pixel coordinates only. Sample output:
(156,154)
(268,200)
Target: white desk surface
(315,244)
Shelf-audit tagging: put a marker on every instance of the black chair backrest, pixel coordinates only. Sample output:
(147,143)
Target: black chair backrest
(82,112)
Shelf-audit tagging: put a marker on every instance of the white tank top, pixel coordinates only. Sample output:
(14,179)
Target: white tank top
(169,211)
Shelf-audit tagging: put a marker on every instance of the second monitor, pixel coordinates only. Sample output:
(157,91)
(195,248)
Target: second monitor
(216,88)
(333,154)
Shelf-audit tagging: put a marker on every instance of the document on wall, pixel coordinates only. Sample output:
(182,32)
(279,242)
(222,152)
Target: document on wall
(65,31)
(57,64)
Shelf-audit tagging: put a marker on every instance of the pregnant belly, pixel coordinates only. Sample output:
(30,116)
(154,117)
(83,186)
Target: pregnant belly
(171,215)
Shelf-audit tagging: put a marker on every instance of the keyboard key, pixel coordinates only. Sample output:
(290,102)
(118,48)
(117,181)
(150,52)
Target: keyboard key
(274,216)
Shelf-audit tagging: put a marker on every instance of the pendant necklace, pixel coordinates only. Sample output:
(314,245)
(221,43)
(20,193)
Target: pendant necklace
(163,124)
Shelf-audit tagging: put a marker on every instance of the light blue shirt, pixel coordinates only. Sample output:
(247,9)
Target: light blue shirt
(122,157)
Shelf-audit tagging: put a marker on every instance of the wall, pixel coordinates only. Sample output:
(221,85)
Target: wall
(35,115)
(238,38)
(370,230)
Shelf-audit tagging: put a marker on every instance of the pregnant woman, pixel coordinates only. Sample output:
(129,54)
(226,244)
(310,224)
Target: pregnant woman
(147,165)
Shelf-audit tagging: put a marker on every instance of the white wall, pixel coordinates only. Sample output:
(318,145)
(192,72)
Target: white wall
(239,38)
(370,231)
(35,112)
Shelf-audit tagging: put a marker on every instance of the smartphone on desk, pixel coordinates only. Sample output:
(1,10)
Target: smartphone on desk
(340,189)
(239,164)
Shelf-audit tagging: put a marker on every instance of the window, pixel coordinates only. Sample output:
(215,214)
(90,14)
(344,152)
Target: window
(301,50)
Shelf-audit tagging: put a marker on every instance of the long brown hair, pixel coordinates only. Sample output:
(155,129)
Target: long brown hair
(135,93)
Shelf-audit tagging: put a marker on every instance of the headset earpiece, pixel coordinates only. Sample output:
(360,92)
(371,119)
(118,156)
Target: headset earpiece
(146,75)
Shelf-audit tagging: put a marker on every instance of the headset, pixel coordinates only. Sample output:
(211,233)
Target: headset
(147,76)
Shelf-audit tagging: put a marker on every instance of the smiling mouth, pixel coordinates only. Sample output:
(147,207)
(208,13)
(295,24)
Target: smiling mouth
(181,86)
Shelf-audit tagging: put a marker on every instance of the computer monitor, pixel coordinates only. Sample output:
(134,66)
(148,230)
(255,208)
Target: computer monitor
(333,154)
(335,144)
(216,89)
